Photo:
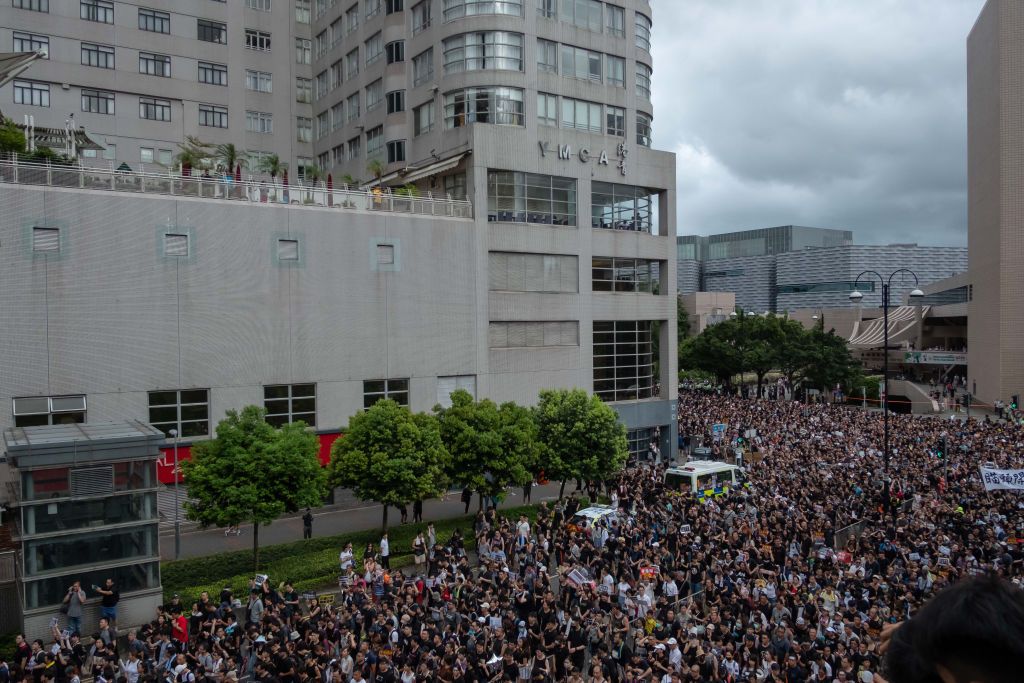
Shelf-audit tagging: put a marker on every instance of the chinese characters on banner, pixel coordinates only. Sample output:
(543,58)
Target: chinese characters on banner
(1002,480)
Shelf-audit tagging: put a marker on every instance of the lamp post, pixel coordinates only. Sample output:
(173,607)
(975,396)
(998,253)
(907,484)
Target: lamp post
(177,509)
(856,297)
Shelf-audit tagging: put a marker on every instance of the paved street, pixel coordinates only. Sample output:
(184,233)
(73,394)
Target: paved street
(347,515)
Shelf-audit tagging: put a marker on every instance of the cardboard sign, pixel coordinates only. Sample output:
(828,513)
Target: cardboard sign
(684,529)
(326,598)
(650,572)
(261,579)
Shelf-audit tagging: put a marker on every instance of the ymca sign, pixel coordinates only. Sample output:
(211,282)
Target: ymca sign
(585,156)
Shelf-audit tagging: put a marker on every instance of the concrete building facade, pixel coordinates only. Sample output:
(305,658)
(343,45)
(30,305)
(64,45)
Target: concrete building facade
(995,174)
(141,79)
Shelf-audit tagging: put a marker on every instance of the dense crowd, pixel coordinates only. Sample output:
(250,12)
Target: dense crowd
(792,578)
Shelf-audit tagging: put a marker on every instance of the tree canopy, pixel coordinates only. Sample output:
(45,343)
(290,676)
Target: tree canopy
(252,472)
(391,456)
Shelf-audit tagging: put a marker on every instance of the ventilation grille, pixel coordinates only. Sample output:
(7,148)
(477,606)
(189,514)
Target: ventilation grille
(175,244)
(92,481)
(287,250)
(45,239)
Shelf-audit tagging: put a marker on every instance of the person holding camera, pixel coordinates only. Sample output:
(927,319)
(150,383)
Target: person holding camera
(72,606)
(108,601)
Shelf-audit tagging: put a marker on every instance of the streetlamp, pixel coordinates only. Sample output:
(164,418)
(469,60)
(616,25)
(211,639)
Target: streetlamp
(177,509)
(856,297)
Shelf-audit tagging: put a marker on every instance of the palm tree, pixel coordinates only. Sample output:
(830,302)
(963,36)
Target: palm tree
(193,154)
(272,164)
(349,180)
(313,174)
(229,156)
(376,168)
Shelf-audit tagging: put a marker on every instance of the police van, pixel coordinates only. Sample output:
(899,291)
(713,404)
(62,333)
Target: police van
(704,478)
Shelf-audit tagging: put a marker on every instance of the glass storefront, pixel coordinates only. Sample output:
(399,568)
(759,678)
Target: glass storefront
(68,515)
(51,590)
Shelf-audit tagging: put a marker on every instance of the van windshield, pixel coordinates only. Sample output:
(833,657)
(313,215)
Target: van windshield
(677,482)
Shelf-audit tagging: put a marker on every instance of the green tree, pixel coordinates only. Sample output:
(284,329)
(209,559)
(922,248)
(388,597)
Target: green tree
(391,456)
(715,351)
(376,169)
(12,138)
(251,472)
(580,436)
(830,360)
(492,447)
(229,156)
(193,153)
(273,165)
(794,352)
(682,320)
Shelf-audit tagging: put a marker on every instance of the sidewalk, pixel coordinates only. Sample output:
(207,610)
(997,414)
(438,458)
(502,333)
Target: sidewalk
(346,516)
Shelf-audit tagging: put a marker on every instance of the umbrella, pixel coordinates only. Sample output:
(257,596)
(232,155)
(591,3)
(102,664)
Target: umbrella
(330,190)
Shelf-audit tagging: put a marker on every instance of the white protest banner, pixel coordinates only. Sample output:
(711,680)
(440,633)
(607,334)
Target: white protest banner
(1002,480)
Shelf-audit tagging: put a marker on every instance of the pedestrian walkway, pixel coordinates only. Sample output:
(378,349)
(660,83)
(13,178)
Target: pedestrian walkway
(346,516)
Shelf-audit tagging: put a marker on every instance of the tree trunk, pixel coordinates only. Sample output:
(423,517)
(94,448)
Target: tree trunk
(760,378)
(479,500)
(561,491)
(385,521)
(255,548)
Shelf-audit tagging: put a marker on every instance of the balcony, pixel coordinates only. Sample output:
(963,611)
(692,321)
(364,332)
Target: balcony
(227,188)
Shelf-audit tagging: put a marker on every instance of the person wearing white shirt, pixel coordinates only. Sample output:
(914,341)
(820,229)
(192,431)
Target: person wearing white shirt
(346,558)
(385,551)
(675,656)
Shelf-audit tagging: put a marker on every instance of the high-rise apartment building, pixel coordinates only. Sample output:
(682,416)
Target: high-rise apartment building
(995,176)
(142,77)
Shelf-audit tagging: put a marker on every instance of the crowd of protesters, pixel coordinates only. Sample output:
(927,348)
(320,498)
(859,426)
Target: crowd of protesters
(792,578)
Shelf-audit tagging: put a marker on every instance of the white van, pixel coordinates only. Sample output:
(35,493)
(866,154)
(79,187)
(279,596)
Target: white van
(588,517)
(704,478)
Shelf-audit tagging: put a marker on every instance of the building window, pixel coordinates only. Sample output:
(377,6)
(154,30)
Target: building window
(547,56)
(547,8)
(213,116)
(374,94)
(379,389)
(352,19)
(38,411)
(154,109)
(187,411)
(395,52)
(374,48)
(288,250)
(97,101)
(323,44)
(322,125)
(257,40)
(146,155)
(446,386)
(355,149)
(623,360)
(31,42)
(45,239)
(101,56)
(615,20)
(286,403)
(259,122)
(153,20)
(304,164)
(523,272)
(259,81)
(643,32)
(352,64)
(385,254)
(338,154)
(372,8)
(423,67)
(483,50)
(626,275)
(581,115)
(623,207)
(303,129)
(423,118)
(214,32)
(303,51)
(259,5)
(110,153)
(615,118)
(34,5)
(395,101)
(392,6)
(98,10)
(213,74)
(455,9)
(421,16)
(321,85)
(303,89)
(396,151)
(176,245)
(455,186)
(374,141)
(643,80)
(516,197)
(165,157)
(643,129)
(337,73)
(615,70)
(302,11)
(32,93)
(154,65)
(547,109)
(352,106)
(580,63)
(502,106)
(514,335)
(583,13)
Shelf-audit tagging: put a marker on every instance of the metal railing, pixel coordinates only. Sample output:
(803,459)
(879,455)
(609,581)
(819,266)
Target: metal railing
(251,190)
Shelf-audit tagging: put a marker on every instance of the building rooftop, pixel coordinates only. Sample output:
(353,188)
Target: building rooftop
(67,444)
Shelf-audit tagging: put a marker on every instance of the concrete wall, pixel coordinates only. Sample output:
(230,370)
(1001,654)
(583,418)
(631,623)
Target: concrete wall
(995,173)
(133,609)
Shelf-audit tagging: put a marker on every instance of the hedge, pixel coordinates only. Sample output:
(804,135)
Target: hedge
(309,564)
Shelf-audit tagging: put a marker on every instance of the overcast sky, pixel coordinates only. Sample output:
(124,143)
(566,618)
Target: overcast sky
(831,113)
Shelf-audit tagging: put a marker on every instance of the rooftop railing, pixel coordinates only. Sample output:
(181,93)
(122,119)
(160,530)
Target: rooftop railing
(226,187)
